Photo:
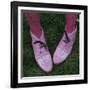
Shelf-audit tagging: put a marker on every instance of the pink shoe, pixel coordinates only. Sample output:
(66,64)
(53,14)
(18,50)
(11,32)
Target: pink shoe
(41,52)
(64,47)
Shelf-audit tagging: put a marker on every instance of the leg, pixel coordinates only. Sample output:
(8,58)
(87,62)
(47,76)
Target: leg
(70,22)
(41,51)
(65,46)
(33,19)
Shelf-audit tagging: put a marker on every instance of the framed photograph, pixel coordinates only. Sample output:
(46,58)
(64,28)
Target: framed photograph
(48,44)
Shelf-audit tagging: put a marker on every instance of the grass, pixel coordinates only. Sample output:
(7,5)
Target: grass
(53,26)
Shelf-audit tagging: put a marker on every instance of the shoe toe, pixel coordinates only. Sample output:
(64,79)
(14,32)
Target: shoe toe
(45,63)
(59,57)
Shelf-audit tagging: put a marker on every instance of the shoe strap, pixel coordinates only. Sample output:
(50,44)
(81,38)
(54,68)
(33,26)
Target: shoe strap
(67,39)
(42,44)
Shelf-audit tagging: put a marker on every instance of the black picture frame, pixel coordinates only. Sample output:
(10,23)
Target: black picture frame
(14,43)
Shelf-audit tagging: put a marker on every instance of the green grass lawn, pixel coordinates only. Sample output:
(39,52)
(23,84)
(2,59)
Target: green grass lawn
(53,26)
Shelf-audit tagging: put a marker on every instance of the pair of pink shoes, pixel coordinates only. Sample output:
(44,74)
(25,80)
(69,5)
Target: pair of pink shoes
(42,54)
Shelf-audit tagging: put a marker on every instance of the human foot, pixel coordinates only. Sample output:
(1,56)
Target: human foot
(64,47)
(41,52)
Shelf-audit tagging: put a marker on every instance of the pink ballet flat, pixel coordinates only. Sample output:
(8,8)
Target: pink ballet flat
(41,52)
(64,47)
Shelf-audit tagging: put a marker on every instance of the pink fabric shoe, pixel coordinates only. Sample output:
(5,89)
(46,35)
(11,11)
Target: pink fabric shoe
(64,47)
(41,52)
